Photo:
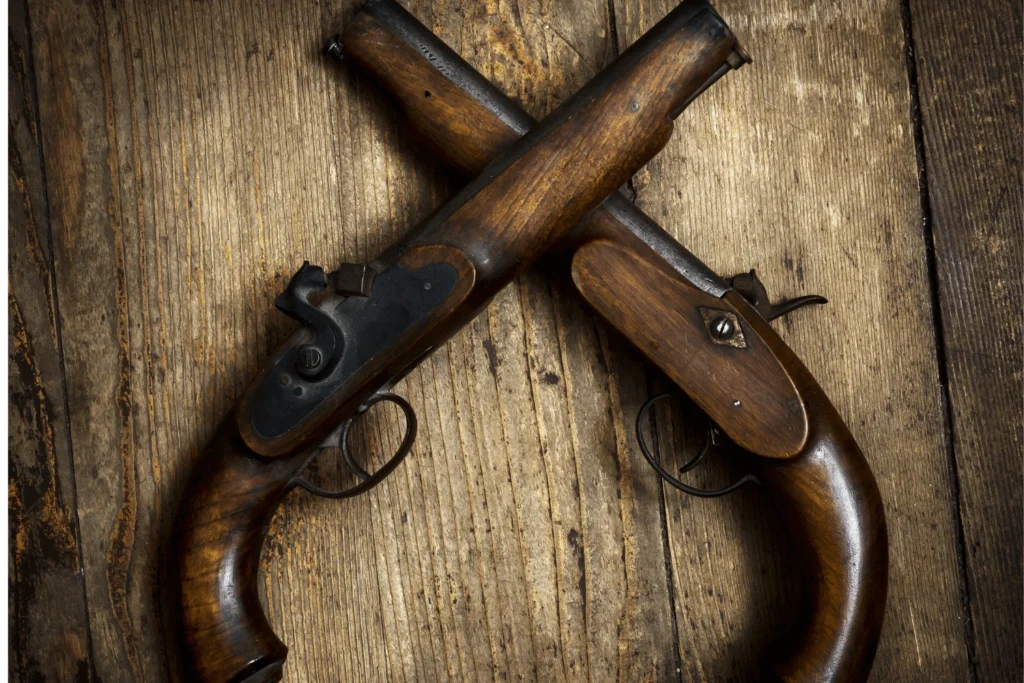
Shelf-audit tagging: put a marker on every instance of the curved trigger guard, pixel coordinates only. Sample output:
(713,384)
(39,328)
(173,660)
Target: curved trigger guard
(696,460)
(367,480)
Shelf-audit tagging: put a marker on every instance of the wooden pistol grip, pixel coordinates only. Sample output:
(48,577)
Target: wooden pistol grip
(220,529)
(833,510)
(808,459)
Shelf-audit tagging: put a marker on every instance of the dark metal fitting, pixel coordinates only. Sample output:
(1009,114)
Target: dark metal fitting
(318,357)
(738,57)
(722,328)
(366,480)
(310,360)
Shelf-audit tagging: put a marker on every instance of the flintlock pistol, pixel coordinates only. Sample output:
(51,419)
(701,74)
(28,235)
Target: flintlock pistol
(378,321)
(709,335)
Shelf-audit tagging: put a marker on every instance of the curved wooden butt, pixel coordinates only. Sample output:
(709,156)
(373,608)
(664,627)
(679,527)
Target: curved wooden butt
(833,509)
(221,524)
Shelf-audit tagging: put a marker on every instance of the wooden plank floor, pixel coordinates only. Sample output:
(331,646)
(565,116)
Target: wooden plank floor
(171,164)
(972,176)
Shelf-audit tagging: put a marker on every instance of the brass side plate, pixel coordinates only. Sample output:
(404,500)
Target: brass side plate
(714,318)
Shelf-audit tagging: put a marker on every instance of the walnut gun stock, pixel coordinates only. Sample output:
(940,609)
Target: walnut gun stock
(382,319)
(748,381)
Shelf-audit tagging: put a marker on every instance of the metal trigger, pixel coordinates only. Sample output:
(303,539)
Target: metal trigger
(339,437)
(709,444)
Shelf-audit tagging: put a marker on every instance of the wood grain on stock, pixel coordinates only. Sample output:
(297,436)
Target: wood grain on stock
(831,503)
(219,534)
(746,391)
(444,119)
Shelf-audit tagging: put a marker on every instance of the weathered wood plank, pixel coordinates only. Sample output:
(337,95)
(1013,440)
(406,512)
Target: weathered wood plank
(968,61)
(802,165)
(47,620)
(72,76)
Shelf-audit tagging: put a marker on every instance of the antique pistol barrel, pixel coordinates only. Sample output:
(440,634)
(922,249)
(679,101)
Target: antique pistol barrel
(383,319)
(675,310)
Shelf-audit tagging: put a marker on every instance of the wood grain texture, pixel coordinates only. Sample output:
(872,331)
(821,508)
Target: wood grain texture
(969,80)
(47,621)
(195,154)
(746,391)
(803,167)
